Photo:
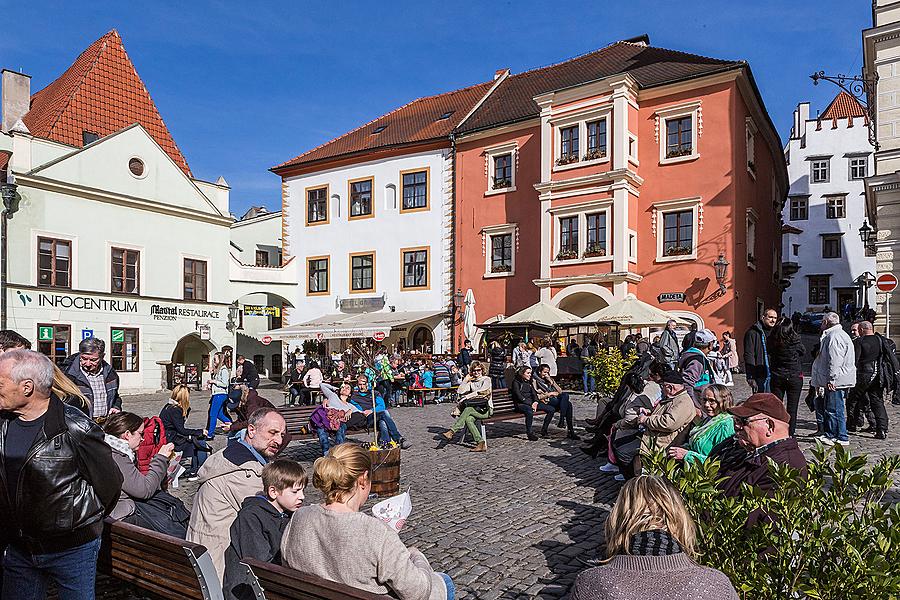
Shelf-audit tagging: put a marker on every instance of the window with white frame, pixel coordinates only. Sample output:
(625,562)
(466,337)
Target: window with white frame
(596,140)
(595,245)
(499,246)
(678,130)
(502,171)
(751,147)
(751,240)
(819,170)
(799,208)
(583,232)
(836,207)
(568,238)
(568,145)
(859,167)
(677,227)
(501,168)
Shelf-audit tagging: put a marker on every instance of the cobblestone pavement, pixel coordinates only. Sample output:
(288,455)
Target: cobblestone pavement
(516,522)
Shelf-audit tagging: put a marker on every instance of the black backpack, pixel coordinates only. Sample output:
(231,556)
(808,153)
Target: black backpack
(888,366)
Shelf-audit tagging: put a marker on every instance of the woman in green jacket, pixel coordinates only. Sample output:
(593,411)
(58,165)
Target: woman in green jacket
(716,426)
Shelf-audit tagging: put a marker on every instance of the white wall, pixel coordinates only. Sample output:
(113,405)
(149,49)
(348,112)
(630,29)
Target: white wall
(853,262)
(386,233)
(261,233)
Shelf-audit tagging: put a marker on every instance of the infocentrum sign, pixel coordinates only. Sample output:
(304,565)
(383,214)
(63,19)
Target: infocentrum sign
(66,301)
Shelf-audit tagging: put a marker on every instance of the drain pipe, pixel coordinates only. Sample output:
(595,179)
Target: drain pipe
(453,299)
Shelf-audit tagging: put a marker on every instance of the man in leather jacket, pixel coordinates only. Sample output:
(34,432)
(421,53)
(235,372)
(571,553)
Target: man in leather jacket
(57,483)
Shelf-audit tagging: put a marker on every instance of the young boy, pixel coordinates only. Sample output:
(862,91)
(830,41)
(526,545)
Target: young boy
(257,530)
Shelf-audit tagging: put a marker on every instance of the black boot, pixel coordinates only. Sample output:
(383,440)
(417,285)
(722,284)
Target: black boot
(531,436)
(880,435)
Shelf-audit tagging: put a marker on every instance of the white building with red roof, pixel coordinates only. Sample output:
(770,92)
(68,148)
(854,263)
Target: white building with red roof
(114,237)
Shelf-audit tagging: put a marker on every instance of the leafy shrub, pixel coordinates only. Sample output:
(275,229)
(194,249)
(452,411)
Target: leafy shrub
(608,367)
(830,536)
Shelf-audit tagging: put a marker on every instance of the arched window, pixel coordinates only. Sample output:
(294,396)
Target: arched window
(422,340)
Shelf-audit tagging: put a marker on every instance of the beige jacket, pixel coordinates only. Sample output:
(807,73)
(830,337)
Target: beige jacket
(668,423)
(226,478)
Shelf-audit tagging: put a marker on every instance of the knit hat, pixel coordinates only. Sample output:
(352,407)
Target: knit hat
(762,403)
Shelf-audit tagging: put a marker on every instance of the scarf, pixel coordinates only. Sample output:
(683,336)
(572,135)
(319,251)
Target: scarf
(655,542)
(119,445)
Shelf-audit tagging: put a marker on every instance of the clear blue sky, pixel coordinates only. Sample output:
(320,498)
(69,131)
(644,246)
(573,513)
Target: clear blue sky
(244,87)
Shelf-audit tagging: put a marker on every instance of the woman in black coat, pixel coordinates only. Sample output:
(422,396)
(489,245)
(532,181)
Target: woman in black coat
(187,441)
(785,350)
(525,399)
(497,367)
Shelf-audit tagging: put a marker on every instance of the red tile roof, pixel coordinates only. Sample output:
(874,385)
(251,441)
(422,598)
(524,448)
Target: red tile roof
(842,107)
(513,100)
(102,93)
(418,121)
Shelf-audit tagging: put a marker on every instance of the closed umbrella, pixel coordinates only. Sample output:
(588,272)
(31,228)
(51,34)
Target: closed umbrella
(469,315)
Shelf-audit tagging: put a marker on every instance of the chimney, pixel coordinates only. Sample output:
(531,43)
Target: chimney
(500,73)
(16,89)
(802,118)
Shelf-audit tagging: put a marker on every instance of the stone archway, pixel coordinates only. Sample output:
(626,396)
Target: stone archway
(190,359)
(582,299)
(421,339)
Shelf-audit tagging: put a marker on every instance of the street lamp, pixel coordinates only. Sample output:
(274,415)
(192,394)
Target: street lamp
(721,267)
(865,233)
(11,200)
(864,282)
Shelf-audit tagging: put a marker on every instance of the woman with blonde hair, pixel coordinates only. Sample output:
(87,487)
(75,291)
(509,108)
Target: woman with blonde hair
(475,404)
(187,441)
(319,538)
(68,392)
(650,540)
(218,381)
(716,427)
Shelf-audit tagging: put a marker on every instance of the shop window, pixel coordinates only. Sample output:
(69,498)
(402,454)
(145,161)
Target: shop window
(277,367)
(54,341)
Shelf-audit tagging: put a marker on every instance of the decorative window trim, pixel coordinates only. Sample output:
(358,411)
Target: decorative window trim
(693,109)
(493,230)
(350,272)
(751,147)
(371,213)
(306,192)
(143,164)
(327,259)
(581,120)
(659,211)
(414,288)
(489,155)
(751,224)
(790,206)
(812,168)
(427,206)
(865,165)
(581,212)
(633,145)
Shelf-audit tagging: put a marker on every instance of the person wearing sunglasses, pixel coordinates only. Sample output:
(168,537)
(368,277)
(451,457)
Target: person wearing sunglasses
(475,404)
(716,427)
(761,427)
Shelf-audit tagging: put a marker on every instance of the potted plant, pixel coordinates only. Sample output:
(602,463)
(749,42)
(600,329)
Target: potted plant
(567,254)
(675,153)
(595,154)
(566,159)
(678,250)
(499,184)
(595,249)
(501,268)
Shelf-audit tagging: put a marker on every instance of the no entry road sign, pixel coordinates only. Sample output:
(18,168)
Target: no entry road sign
(886,282)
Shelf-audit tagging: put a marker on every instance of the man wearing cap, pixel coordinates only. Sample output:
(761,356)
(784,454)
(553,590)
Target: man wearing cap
(669,421)
(761,426)
(694,366)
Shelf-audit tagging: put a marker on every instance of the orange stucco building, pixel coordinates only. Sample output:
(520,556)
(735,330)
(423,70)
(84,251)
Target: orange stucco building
(628,170)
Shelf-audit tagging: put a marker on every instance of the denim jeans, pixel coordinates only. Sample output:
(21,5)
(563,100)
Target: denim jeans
(387,429)
(499,382)
(451,589)
(588,382)
(325,441)
(216,413)
(835,421)
(295,394)
(26,575)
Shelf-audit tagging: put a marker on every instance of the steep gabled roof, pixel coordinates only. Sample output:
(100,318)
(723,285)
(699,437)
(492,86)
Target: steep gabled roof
(418,121)
(513,100)
(842,107)
(101,93)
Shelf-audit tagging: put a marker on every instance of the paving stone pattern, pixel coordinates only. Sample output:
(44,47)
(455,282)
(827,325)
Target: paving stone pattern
(520,521)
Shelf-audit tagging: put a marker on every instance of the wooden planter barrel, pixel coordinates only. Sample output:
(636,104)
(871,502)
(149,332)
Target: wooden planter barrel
(385,473)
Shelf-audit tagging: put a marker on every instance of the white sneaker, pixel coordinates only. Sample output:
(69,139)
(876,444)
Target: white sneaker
(844,443)
(825,440)
(619,477)
(609,468)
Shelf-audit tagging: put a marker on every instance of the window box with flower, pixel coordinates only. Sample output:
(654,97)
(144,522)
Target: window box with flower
(501,269)
(567,255)
(595,154)
(678,250)
(594,250)
(500,184)
(678,152)
(566,159)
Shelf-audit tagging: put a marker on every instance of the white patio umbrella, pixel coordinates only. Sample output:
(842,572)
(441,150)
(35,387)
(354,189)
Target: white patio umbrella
(631,312)
(469,315)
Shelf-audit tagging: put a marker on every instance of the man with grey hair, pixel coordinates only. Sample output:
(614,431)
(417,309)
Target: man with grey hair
(229,476)
(668,344)
(835,370)
(58,482)
(95,377)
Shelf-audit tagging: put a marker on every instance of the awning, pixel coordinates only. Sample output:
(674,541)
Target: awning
(539,314)
(344,325)
(631,312)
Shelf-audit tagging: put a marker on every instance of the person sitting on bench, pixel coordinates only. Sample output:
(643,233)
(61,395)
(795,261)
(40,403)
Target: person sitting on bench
(335,540)
(369,403)
(190,442)
(337,399)
(525,400)
(549,391)
(250,402)
(475,404)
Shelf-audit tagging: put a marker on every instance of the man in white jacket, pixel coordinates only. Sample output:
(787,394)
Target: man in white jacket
(835,370)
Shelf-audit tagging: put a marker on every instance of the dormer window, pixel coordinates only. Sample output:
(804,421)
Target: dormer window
(379,129)
(446,115)
(89,137)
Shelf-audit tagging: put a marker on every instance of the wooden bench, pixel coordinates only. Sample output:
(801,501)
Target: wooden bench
(162,564)
(504,410)
(297,420)
(419,394)
(273,582)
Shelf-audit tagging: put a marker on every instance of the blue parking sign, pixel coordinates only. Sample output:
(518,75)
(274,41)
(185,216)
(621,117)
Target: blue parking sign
(87,333)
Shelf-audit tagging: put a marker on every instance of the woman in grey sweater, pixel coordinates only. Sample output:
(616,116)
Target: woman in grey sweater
(650,543)
(320,538)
